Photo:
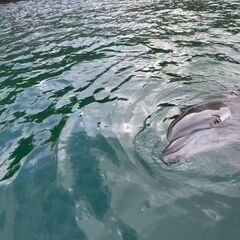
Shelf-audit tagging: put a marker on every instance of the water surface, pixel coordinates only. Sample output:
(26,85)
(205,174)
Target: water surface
(88,90)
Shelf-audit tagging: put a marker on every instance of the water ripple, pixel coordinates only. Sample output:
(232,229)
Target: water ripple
(87,90)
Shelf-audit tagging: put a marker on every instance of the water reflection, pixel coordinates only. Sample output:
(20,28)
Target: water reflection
(88,90)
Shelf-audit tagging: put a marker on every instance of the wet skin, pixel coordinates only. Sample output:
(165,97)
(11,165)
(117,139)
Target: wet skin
(201,128)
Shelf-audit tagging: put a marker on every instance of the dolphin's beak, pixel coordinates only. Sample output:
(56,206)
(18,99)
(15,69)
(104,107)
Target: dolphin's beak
(176,149)
(170,157)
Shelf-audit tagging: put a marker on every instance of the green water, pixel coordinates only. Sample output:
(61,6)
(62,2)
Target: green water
(88,89)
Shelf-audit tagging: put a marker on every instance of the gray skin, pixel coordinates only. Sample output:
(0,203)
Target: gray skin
(203,127)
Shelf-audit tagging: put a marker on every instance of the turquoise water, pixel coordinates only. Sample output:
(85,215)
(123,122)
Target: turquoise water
(88,90)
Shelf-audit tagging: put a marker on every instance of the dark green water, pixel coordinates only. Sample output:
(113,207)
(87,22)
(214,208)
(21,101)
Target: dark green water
(88,89)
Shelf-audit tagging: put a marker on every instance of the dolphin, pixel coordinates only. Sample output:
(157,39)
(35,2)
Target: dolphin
(203,127)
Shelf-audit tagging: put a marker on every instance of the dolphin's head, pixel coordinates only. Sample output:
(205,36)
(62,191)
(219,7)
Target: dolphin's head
(195,130)
(199,117)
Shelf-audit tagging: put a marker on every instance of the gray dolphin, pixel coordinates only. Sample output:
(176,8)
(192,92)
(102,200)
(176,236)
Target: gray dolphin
(203,127)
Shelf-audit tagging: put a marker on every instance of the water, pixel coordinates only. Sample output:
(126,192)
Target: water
(88,90)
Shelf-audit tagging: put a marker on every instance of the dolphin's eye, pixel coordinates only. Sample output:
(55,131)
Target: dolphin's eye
(216,120)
